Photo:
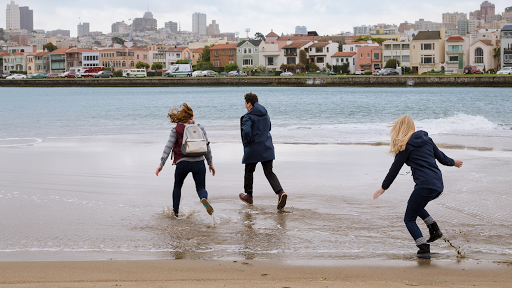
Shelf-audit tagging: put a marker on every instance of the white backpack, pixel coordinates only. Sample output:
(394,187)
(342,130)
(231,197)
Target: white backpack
(194,141)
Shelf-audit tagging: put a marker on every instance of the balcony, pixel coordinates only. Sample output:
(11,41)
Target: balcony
(290,54)
(454,52)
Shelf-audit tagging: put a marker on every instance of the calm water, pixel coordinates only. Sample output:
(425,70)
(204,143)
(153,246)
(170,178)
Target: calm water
(301,115)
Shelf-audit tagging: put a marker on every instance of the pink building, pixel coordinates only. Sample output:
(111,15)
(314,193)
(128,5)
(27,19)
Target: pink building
(369,58)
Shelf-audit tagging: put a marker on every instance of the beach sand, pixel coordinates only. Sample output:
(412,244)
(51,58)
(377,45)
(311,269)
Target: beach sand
(97,200)
(201,273)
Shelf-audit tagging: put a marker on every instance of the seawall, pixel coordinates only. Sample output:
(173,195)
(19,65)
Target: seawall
(301,81)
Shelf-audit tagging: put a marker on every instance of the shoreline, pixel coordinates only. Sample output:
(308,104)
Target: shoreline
(277,81)
(251,273)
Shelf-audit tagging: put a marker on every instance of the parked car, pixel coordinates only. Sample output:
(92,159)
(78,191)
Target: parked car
(104,74)
(37,76)
(235,73)
(388,71)
(197,73)
(376,72)
(359,72)
(210,73)
(332,73)
(286,74)
(53,75)
(472,70)
(3,76)
(17,76)
(505,70)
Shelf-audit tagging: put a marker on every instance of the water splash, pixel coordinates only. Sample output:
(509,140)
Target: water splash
(460,254)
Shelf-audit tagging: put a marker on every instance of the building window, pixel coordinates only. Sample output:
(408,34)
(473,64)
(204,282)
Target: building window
(429,46)
(453,59)
(319,49)
(217,63)
(290,60)
(245,50)
(367,55)
(351,49)
(250,50)
(320,60)
(406,58)
(376,56)
(223,52)
(327,49)
(387,46)
(216,53)
(428,59)
(145,57)
(454,48)
(387,58)
(230,52)
(124,63)
(270,61)
(247,62)
(479,55)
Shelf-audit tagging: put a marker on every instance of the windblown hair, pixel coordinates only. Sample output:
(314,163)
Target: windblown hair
(181,114)
(251,98)
(401,132)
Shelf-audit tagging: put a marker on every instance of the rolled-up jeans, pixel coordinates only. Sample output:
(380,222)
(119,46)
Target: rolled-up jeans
(416,208)
(198,170)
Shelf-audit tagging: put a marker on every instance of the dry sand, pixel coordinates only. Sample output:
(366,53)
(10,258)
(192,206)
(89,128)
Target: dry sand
(202,273)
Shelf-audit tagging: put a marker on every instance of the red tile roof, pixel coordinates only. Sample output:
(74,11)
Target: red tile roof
(272,34)
(60,51)
(301,37)
(487,42)
(297,44)
(455,38)
(79,50)
(197,50)
(344,54)
(181,48)
(224,46)
(41,54)
(320,44)
(19,53)
(4,54)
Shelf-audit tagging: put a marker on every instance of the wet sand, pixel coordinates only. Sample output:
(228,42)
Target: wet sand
(96,199)
(201,273)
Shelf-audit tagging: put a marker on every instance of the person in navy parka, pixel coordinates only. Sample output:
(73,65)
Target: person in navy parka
(255,127)
(418,151)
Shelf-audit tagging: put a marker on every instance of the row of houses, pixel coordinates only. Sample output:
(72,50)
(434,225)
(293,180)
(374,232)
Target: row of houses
(428,50)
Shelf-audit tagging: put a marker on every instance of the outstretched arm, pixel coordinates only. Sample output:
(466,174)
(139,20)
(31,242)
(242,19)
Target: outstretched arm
(442,158)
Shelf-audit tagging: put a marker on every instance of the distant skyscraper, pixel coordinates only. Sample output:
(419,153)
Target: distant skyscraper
(82,29)
(26,18)
(120,27)
(508,9)
(12,16)
(301,30)
(453,17)
(171,26)
(146,23)
(486,8)
(199,23)
(213,29)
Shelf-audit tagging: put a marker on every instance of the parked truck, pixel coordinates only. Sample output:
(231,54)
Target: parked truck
(179,70)
(87,71)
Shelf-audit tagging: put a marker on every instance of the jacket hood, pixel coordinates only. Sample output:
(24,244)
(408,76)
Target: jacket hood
(419,138)
(258,110)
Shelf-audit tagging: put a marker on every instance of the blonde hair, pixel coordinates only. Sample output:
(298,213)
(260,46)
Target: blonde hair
(180,114)
(400,133)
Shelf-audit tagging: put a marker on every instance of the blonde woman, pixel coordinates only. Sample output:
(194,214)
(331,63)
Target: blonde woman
(418,151)
(186,164)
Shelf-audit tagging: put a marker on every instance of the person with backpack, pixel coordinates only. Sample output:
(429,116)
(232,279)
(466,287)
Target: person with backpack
(258,147)
(189,145)
(418,151)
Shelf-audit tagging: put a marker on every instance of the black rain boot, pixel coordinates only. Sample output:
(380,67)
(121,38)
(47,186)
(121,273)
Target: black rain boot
(434,231)
(424,252)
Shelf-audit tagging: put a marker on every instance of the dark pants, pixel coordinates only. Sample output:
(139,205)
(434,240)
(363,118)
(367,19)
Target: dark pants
(267,169)
(416,208)
(198,171)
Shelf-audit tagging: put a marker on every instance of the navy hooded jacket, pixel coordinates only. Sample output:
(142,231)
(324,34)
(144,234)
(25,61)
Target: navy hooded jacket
(420,154)
(255,129)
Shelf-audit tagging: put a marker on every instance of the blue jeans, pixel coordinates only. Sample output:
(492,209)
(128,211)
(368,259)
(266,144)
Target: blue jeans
(416,207)
(198,170)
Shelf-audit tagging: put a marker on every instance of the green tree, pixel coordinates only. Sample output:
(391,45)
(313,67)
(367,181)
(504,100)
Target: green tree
(303,57)
(203,65)
(118,73)
(378,40)
(230,67)
(259,36)
(205,56)
(301,67)
(97,43)
(141,65)
(283,67)
(345,68)
(496,54)
(182,61)
(328,66)
(50,47)
(118,40)
(392,63)
(157,66)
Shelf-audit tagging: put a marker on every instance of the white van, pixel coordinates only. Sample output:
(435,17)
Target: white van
(179,70)
(136,73)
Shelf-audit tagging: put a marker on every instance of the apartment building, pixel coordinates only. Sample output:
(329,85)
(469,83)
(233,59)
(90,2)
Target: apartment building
(400,51)
(271,56)
(123,58)
(291,51)
(506,46)
(427,51)
(223,54)
(457,53)
(369,58)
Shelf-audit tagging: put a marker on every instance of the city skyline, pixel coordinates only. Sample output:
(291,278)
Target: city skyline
(236,16)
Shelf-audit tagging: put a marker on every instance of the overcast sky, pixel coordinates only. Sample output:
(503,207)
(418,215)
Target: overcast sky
(327,17)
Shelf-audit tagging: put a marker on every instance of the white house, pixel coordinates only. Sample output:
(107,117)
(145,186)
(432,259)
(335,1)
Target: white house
(340,58)
(320,53)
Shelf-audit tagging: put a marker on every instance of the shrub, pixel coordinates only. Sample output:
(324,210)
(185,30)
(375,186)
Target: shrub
(118,73)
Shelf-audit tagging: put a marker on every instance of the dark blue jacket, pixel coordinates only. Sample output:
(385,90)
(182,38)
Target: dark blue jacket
(255,128)
(420,154)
